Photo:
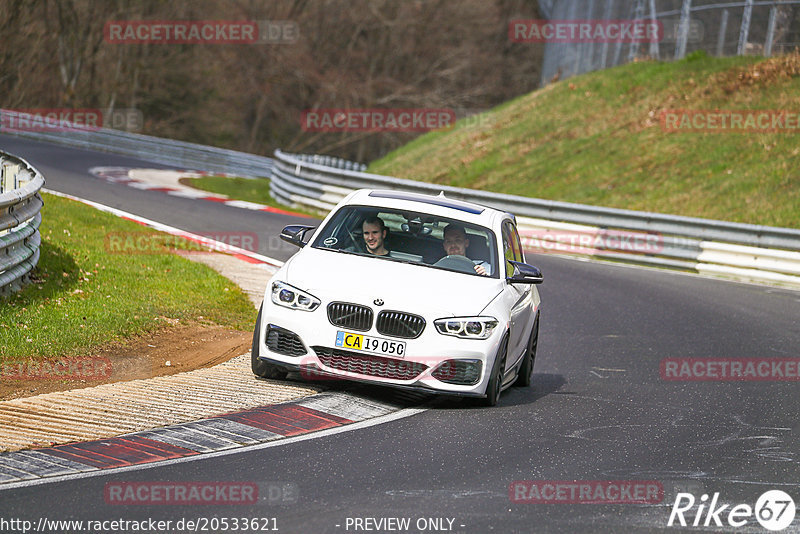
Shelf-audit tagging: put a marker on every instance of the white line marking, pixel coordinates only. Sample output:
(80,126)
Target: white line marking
(402,414)
(187,194)
(245,205)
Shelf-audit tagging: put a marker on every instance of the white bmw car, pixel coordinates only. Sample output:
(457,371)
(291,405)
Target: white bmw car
(404,290)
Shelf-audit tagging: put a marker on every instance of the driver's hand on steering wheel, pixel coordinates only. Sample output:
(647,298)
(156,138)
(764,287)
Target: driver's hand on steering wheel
(480,270)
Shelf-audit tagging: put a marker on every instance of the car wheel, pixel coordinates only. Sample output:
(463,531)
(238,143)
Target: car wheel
(526,369)
(496,381)
(259,366)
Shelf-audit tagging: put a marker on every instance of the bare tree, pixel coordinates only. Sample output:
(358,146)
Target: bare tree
(351,54)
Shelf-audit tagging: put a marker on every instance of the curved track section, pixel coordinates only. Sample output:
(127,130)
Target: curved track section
(599,410)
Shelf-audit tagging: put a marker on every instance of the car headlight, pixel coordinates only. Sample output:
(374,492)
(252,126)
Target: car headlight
(290,297)
(466,327)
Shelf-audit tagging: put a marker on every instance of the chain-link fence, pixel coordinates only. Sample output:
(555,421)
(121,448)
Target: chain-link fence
(719,28)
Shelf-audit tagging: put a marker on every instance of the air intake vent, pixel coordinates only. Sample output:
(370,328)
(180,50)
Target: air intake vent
(369,365)
(459,372)
(284,341)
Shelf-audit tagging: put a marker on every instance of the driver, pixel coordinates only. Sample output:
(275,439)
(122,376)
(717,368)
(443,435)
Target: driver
(374,232)
(455,244)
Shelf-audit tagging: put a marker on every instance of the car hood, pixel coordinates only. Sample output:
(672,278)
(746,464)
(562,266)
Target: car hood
(332,276)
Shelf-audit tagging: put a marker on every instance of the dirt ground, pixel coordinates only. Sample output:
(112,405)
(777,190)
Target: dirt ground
(175,350)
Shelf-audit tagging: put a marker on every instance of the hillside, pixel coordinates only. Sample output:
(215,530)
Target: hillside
(598,139)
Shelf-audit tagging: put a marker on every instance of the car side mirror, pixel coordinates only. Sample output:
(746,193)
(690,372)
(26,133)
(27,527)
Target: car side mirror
(294,234)
(525,274)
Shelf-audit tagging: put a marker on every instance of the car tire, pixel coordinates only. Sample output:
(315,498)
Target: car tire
(526,369)
(495,384)
(260,367)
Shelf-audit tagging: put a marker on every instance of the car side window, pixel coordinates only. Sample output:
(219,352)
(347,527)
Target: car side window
(515,244)
(511,246)
(508,250)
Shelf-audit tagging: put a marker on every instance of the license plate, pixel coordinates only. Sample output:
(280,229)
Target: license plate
(374,345)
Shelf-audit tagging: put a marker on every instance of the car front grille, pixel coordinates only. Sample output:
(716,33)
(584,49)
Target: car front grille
(368,364)
(459,372)
(400,324)
(353,316)
(284,341)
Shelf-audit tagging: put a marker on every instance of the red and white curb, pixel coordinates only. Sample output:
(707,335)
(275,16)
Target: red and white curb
(224,434)
(305,418)
(167,181)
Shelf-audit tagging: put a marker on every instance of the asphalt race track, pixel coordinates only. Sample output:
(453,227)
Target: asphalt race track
(66,170)
(599,409)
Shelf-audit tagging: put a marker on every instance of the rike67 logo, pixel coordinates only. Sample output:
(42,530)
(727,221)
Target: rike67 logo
(774,510)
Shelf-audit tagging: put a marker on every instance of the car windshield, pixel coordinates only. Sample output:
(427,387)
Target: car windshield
(411,237)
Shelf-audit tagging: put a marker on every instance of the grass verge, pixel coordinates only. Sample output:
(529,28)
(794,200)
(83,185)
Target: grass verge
(85,295)
(598,139)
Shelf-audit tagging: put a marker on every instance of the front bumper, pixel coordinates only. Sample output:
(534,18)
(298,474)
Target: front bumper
(312,372)
(417,370)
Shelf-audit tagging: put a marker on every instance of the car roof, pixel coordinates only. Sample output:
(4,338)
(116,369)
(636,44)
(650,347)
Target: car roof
(435,205)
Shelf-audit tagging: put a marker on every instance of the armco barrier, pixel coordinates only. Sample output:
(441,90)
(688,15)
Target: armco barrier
(318,182)
(166,151)
(20,217)
(743,251)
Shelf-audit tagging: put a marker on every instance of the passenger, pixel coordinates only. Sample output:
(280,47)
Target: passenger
(374,231)
(455,244)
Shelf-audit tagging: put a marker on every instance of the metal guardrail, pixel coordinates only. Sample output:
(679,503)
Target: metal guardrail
(704,245)
(331,161)
(320,182)
(20,217)
(166,151)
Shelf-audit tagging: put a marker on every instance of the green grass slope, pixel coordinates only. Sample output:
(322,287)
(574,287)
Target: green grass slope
(89,291)
(598,139)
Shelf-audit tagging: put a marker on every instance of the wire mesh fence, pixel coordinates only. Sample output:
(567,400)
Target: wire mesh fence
(744,27)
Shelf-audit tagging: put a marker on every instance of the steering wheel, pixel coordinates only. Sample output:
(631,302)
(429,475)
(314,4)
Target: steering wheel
(457,263)
(357,242)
